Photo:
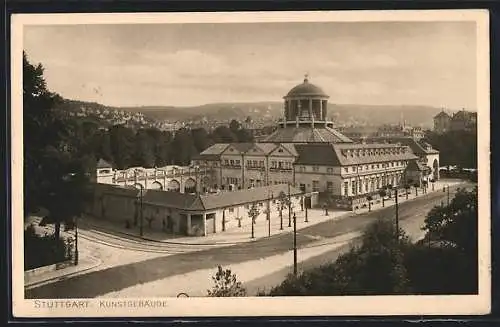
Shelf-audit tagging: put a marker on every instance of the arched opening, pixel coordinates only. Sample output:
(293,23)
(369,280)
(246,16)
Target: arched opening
(190,186)
(174,185)
(435,166)
(156,186)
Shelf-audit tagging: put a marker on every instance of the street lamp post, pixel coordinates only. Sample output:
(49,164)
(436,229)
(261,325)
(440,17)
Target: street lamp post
(289,207)
(397,214)
(141,226)
(76,241)
(294,244)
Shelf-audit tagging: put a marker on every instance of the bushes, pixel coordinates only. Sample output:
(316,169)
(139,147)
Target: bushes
(44,250)
(226,284)
(384,265)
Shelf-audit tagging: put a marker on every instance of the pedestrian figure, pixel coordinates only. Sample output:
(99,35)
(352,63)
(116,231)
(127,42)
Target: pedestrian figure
(163,224)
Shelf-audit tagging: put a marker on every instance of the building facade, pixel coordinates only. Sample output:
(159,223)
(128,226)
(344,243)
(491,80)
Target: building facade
(460,121)
(306,152)
(188,214)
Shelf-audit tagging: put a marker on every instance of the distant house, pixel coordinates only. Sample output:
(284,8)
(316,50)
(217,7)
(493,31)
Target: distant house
(464,121)
(442,122)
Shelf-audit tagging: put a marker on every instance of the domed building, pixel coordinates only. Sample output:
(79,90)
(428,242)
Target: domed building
(305,117)
(308,153)
(305,157)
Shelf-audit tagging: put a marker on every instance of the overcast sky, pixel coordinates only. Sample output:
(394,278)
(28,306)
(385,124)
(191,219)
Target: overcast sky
(192,64)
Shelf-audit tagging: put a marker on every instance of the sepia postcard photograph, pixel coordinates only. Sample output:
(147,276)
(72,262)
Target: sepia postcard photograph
(250,164)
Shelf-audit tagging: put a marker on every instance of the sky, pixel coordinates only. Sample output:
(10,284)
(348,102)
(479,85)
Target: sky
(377,63)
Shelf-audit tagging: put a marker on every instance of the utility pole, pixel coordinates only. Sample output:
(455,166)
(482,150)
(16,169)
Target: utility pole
(397,215)
(76,241)
(305,208)
(294,244)
(289,207)
(448,187)
(142,214)
(269,212)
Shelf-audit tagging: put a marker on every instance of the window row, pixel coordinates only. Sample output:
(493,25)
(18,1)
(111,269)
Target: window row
(375,166)
(315,169)
(373,152)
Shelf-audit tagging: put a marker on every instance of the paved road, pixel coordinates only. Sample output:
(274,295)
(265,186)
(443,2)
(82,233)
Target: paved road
(113,279)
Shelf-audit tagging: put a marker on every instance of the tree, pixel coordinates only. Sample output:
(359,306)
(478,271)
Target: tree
(416,185)
(282,203)
(382,192)
(244,135)
(376,267)
(122,141)
(369,198)
(55,163)
(457,222)
(234,126)
(226,284)
(253,213)
(407,189)
(182,147)
(223,134)
(201,139)
(144,150)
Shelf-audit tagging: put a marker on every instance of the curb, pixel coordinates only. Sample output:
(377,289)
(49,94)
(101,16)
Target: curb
(97,263)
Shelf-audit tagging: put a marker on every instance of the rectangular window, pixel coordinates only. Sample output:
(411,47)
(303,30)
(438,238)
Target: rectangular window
(353,169)
(273,164)
(237,162)
(360,187)
(226,162)
(249,163)
(329,170)
(315,186)
(231,162)
(329,187)
(315,169)
(346,188)
(354,187)
(346,169)
(231,210)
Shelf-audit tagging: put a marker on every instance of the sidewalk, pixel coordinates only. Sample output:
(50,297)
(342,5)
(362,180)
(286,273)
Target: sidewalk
(230,236)
(242,234)
(85,263)
(390,202)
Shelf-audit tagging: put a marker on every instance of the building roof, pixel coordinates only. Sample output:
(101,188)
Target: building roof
(257,194)
(103,164)
(415,165)
(303,134)
(306,89)
(325,154)
(217,149)
(320,154)
(442,114)
(226,199)
(464,115)
(346,160)
(416,146)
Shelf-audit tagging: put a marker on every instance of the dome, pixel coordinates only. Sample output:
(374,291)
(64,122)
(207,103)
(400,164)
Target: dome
(306,89)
